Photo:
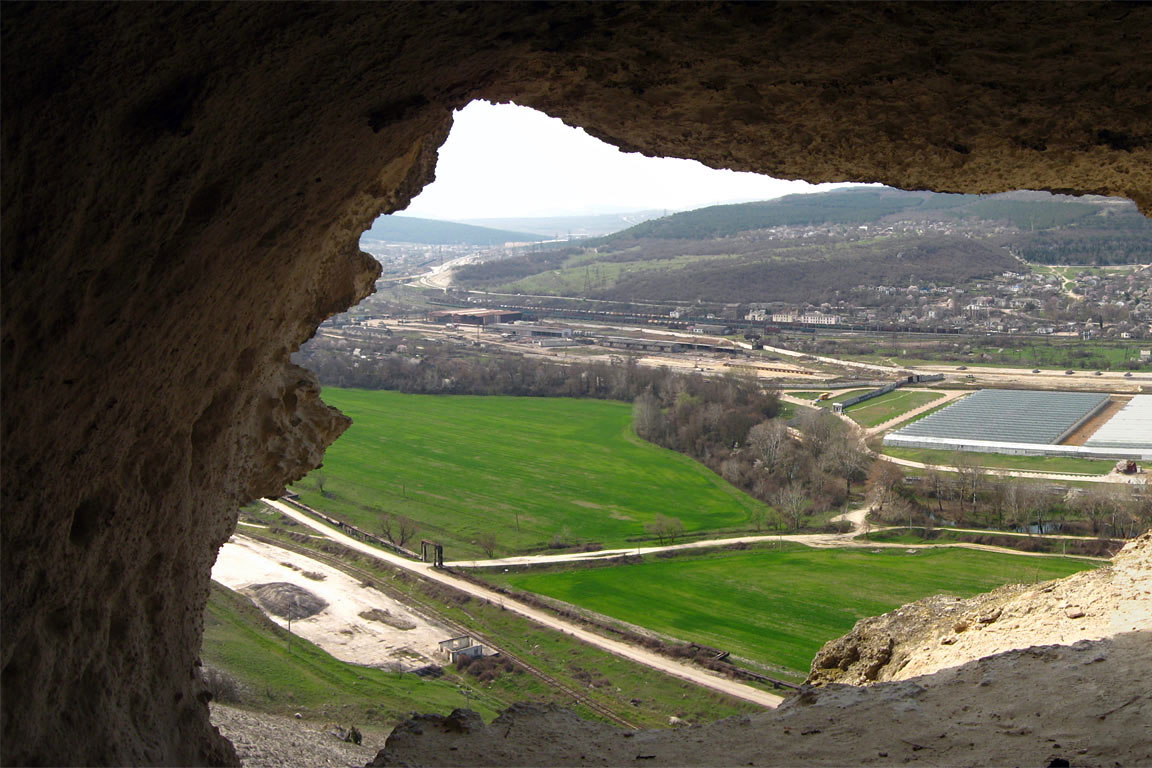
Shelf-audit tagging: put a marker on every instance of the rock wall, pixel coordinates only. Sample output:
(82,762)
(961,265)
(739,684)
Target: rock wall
(184,185)
(1084,704)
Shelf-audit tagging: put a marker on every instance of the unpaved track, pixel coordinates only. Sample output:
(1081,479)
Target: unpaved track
(639,655)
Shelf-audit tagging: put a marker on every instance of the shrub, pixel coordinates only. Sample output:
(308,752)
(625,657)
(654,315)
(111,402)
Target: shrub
(223,687)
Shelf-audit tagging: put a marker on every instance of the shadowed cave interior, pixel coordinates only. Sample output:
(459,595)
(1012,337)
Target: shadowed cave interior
(184,186)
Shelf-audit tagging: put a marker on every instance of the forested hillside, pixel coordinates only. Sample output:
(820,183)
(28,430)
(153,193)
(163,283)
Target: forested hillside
(817,276)
(815,247)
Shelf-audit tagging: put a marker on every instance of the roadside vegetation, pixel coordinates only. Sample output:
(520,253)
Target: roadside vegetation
(776,607)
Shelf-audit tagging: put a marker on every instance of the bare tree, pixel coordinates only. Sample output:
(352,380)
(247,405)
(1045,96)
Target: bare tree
(883,481)
(1097,504)
(844,456)
(487,542)
(767,439)
(757,516)
(646,416)
(970,474)
(792,501)
(387,524)
(664,527)
(405,529)
(321,481)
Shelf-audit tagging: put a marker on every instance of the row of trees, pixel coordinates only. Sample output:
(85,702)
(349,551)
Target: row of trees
(750,447)
(970,497)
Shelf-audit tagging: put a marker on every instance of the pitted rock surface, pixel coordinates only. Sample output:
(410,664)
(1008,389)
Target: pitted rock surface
(183,190)
(1086,703)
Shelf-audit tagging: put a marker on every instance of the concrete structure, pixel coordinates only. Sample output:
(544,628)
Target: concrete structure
(465,645)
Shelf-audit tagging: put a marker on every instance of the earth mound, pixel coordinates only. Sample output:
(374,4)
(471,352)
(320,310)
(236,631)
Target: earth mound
(287,601)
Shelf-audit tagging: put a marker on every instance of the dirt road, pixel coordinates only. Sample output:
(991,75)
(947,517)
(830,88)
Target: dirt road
(639,655)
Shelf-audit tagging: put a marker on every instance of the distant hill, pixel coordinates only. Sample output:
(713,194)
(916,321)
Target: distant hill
(818,246)
(409,229)
(594,225)
(864,205)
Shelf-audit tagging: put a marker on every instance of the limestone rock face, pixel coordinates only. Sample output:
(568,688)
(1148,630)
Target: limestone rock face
(938,632)
(184,186)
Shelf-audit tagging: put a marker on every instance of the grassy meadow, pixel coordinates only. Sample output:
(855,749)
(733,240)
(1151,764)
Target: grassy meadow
(531,472)
(878,410)
(777,607)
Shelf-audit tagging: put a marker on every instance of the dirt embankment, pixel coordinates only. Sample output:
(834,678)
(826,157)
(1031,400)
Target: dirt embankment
(939,632)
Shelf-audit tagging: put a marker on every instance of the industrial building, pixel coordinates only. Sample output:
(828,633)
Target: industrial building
(1032,423)
(474,316)
(532,330)
(1130,427)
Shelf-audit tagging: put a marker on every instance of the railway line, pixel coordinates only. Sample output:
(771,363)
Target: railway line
(457,628)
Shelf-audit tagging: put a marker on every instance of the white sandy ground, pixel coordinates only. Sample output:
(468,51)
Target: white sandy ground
(338,629)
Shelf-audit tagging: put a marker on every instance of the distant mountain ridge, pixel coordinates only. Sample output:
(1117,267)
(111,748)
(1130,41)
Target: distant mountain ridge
(865,205)
(410,229)
(589,225)
(833,244)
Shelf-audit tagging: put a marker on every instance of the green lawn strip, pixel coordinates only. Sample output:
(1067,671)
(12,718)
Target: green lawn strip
(878,410)
(240,641)
(928,412)
(1055,464)
(778,607)
(607,679)
(525,470)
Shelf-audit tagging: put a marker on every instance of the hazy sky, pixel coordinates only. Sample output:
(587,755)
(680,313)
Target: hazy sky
(503,160)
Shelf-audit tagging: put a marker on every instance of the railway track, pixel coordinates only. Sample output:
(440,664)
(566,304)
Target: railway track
(455,626)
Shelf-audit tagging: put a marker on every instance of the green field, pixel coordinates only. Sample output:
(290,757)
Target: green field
(241,641)
(878,410)
(925,414)
(526,470)
(1058,464)
(778,607)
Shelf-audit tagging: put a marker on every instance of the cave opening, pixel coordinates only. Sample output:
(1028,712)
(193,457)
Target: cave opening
(184,187)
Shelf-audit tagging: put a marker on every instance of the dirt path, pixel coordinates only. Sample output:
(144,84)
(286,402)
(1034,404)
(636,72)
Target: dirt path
(639,655)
